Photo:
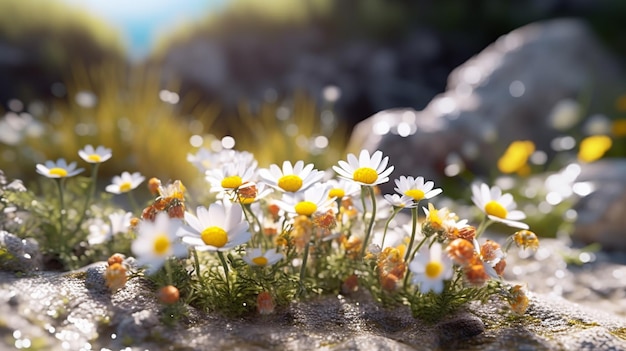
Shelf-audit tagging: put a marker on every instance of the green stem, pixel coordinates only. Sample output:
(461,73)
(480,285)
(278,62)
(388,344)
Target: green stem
(133,202)
(220,254)
(247,212)
(61,238)
(406,276)
(90,195)
(414,215)
(419,246)
(396,210)
(196,262)
(305,258)
(168,271)
(486,222)
(371,223)
(363,189)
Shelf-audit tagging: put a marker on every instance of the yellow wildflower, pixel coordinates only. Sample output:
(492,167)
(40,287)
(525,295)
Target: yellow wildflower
(516,156)
(594,147)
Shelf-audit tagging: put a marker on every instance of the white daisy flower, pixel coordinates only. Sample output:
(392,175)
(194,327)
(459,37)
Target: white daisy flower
(120,222)
(97,155)
(157,241)
(444,219)
(403,201)
(58,169)
(497,206)
(430,268)
(230,176)
(101,231)
(219,228)
(256,257)
(125,183)
(416,188)
(291,178)
(340,188)
(365,170)
(315,199)
(203,160)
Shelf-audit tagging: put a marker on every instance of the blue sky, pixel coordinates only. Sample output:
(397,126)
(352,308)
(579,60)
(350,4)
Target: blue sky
(142,21)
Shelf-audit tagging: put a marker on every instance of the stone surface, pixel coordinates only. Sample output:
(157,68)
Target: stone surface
(55,311)
(601,214)
(505,93)
(20,255)
(591,278)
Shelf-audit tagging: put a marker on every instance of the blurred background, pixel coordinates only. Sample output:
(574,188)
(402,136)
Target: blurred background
(156,79)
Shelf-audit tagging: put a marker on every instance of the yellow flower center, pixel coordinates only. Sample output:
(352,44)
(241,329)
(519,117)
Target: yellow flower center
(416,194)
(245,200)
(365,175)
(290,183)
(231,182)
(433,269)
(126,186)
(305,208)
(337,192)
(161,244)
(94,158)
(434,218)
(58,172)
(214,236)
(260,261)
(494,208)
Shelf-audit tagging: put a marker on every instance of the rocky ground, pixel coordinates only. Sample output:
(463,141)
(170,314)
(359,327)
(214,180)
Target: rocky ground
(74,311)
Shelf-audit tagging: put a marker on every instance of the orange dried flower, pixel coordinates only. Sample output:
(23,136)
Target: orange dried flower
(526,238)
(325,220)
(134,222)
(160,204)
(391,268)
(461,251)
(467,233)
(352,246)
(169,294)
(500,266)
(149,213)
(475,272)
(153,185)
(115,258)
(115,276)
(177,210)
(273,209)
(389,282)
(350,284)
(490,250)
(517,299)
(265,303)
(247,193)
(302,230)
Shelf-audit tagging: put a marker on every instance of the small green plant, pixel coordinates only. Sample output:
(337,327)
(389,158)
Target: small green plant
(262,237)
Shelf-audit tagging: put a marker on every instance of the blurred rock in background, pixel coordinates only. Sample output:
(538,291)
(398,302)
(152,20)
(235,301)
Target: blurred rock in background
(505,93)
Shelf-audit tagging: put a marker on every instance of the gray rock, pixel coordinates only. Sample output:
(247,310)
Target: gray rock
(601,216)
(59,311)
(19,255)
(594,279)
(504,93)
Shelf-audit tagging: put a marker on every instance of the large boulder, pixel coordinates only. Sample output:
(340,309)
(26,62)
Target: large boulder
(600,214)
(505,93)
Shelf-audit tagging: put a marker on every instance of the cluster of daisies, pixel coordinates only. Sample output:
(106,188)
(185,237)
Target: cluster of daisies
(283,213)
